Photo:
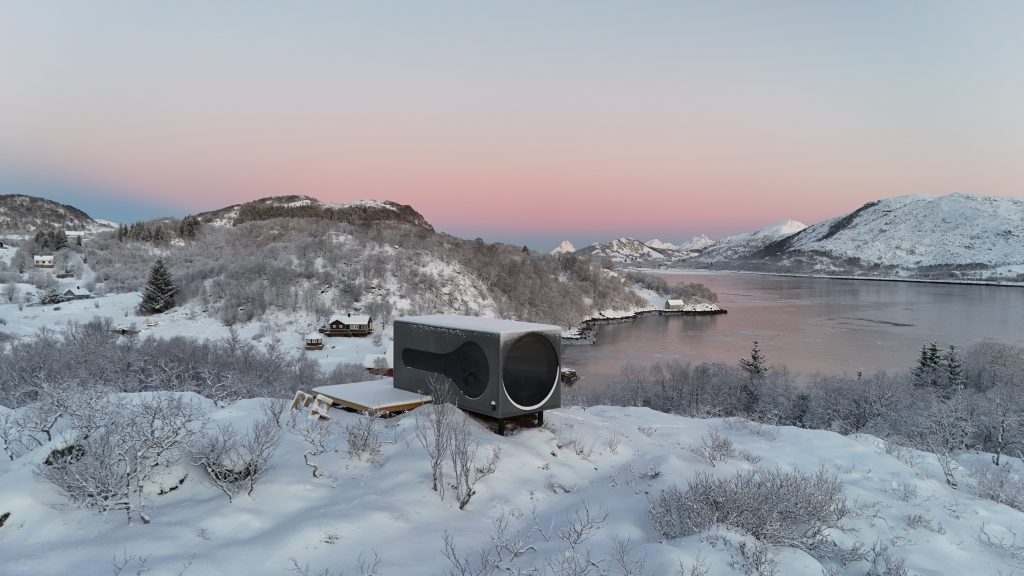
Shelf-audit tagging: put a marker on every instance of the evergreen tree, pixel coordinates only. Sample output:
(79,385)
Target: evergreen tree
(756,368)
(60,240)
(954,371)
(158,295)
(928,369)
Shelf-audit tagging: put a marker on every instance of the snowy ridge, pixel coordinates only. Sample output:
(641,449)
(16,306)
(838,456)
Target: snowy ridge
(698,243)
(26,214)
(659,245)
(623,250)
(745,244)
(910,232)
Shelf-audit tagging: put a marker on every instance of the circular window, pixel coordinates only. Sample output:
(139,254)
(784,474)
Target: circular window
(530,371)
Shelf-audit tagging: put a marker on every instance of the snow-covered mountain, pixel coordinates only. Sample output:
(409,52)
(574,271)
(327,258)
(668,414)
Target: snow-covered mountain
(913,235)
(22,214)
(742,245)
(358,212)
(659,245)
(564,248)
(697,243)
(623,250)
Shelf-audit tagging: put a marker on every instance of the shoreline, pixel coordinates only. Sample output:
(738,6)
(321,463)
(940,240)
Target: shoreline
(696,271)
(586,333)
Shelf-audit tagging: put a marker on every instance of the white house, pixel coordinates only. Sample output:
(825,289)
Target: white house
(45,261)
(675,305)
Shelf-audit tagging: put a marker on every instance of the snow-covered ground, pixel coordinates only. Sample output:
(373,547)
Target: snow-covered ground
(188,321)
(609,460)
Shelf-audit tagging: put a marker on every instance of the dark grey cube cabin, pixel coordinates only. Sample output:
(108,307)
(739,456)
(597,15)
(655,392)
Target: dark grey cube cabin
(500,368)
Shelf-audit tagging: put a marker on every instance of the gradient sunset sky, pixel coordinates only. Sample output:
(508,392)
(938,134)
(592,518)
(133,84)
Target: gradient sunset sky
(527,122)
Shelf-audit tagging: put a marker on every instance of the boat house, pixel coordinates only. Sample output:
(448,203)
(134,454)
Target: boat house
(675,305)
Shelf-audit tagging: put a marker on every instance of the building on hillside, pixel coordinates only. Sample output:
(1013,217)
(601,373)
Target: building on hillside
(380,364)
(314,341)
(675,305)
(349,325)
(75,293)
(43,261)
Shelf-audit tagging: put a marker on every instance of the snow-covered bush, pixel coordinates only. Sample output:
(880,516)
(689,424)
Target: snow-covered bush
(118,446)
(363,435)
(776,507)
(714,448)
(235,462)
(999,484)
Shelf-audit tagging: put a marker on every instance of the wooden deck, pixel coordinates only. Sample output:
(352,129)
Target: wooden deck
(373,395)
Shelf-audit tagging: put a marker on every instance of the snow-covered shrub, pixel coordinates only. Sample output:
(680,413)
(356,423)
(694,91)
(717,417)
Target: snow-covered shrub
(236,462)
(118,446)
(714,448)
(776,507)
(999,484)
(363,435)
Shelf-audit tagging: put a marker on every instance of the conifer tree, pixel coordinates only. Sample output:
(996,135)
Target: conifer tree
(756,368)
(158,295)
(60,240)
(954,371)
(927,372)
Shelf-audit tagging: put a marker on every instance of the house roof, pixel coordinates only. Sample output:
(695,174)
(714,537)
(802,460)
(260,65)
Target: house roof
(314,336)
(478,324)
(77,292)
(43,257)
(675,303)
(353,319)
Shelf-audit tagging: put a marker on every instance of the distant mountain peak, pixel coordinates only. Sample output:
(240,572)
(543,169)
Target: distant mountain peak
(564,248)
(659,245)
(623,250)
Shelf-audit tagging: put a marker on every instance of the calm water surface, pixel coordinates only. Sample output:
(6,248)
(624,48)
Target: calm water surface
(809,325)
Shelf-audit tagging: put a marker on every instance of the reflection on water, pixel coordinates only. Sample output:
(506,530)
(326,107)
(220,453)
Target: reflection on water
(809,325)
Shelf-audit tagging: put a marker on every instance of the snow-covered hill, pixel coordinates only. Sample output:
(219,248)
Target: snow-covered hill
(358,212)
(698,243)
(623,250)
(25,214)
(577,489)
(912,233)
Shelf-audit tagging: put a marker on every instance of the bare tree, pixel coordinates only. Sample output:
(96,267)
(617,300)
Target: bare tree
(433,429)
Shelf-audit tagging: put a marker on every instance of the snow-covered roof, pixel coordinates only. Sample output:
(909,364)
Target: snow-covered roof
(675,303)
(370,361)
(478,324)
(353,319)
(375,394)
(42,258)
(77,292)
(314,336)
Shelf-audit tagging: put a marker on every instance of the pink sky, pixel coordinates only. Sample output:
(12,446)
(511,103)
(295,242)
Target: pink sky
(586,121)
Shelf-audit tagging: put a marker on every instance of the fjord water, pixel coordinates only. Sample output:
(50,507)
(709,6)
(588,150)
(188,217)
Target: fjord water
(809,325)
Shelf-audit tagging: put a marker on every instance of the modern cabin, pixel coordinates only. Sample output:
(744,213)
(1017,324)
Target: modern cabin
(315,342)
(675,305)
(45,261)
(350,325)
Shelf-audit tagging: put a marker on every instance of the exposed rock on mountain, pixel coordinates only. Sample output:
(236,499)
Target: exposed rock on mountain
(359,212)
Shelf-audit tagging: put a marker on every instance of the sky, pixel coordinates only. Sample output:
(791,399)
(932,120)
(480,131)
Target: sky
(519,121)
